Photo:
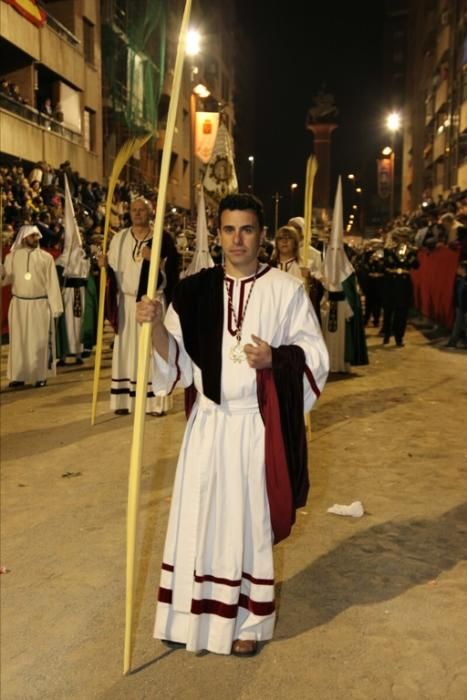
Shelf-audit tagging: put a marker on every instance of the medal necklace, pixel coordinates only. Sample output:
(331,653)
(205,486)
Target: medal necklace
(27,274)
(237,353)
(137,254)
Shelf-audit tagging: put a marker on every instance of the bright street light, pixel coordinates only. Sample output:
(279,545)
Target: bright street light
(393,124)
(351,176)
(393,121)
(193,42)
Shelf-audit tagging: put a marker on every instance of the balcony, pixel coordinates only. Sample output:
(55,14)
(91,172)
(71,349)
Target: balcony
(32,136)
(38,118)
(442,45)
(439,146)
(441,95)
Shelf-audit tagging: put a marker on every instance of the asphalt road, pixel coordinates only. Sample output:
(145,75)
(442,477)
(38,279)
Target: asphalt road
(369,608)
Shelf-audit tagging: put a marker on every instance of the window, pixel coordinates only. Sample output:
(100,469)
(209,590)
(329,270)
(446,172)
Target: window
(88,41)
(89,129)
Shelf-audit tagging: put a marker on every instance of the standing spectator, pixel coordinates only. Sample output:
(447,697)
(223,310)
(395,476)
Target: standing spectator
(36,301)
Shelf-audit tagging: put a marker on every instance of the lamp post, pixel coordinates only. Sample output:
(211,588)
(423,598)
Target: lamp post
(252,173)
(393,124)
(293,187)
(276,198)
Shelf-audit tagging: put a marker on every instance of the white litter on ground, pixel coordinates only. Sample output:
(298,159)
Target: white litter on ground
(355,509)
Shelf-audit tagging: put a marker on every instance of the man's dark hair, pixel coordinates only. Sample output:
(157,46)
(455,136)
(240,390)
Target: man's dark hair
(242,201)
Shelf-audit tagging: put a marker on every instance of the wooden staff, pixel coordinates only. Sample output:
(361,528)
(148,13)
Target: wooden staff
(311,168)
(145,346)
(128,149)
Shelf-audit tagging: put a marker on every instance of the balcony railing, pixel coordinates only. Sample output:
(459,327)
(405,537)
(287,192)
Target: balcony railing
(45,121)
(59,28)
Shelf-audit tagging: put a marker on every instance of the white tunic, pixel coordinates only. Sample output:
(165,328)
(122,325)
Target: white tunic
(123,259)
(217,581)
(35,303)
(292,267)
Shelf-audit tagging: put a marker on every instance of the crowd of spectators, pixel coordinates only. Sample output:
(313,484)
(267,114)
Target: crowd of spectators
(436,224)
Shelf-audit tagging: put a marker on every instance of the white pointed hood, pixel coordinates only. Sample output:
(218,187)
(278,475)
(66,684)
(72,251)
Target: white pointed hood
(336,266)
(201,257)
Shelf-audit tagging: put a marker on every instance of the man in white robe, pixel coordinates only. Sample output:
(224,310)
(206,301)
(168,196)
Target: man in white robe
(35,302)
(254,335)
(127,251)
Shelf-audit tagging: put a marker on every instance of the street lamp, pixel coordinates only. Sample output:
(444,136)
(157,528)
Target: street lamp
(252,172)
(293,187)
(193,42)
(393,124)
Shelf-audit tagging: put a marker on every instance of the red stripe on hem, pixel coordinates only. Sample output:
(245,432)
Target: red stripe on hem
(234,582)
(313,384)
(259,581)
(167,567)
(255,607)
(215,607)
(165,596)
(216,579)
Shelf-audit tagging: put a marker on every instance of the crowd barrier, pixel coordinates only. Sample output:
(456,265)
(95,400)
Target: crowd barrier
(433,284)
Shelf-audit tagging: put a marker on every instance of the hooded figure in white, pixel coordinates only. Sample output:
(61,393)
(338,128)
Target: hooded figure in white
(342,322)
(36,301)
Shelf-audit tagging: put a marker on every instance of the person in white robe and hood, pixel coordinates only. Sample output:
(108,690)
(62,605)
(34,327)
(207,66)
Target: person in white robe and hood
(35,302)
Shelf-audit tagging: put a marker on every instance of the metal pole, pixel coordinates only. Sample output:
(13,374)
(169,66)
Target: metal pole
(276,211)
(393,176)
(192,149)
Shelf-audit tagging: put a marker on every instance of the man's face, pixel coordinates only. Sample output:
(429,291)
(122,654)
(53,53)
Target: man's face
(239,236)
(32,241)
(139,212)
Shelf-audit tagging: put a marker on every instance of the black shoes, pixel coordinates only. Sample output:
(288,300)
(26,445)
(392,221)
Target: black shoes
(15,384)
(122,412)
(172,645)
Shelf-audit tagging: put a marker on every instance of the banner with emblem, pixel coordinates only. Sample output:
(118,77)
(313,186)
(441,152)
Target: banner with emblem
(384,177)
(221,178)
(206,126)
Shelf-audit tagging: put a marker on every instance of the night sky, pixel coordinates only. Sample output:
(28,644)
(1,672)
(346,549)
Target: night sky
(339,49)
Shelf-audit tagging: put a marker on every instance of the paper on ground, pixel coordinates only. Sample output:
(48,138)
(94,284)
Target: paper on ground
(355,509)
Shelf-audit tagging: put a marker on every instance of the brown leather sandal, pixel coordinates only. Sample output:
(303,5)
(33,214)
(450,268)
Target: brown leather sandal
(244,647)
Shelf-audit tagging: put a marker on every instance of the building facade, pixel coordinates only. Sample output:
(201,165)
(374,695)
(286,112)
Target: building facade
(435,128)
(51,93)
